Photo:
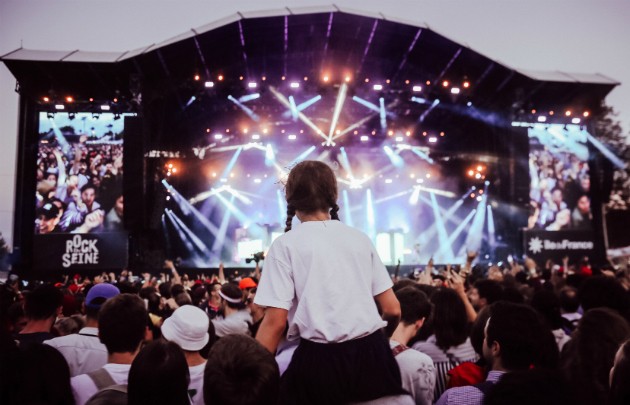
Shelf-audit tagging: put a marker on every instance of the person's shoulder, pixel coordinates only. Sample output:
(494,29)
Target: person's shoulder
(416,357)
(390,400)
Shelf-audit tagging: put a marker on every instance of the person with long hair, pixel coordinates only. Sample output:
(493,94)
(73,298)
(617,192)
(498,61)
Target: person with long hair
(590,354)
(620,377)
(159,375)
(324,277)
(450,345)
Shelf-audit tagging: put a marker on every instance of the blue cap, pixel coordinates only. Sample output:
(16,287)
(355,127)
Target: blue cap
(103,290)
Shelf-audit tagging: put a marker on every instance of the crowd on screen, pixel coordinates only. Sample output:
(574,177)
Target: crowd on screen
(322,323)
(79,192)
(560,191)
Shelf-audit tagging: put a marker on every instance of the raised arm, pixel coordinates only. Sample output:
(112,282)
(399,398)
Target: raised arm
(272,328)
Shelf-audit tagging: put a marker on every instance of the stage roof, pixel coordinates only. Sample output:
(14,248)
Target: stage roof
(309,42)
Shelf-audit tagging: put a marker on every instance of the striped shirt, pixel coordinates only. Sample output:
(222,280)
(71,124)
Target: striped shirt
(469,395)
(445,360)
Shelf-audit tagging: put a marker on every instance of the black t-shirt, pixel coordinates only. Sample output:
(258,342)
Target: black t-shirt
(253,328)
(30,338)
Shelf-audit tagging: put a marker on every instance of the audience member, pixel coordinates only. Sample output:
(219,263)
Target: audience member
(122,327)
(17,320)
(531,387)
(569,306)
(188,327)
(416,369)
(257,312)
(41,309)
(84,352)
(512,342)
(620,376)
(589,355)
(485,293)
(159,376)
(547,304)
(34,374)
(241,371)
(235,318)
(450,345)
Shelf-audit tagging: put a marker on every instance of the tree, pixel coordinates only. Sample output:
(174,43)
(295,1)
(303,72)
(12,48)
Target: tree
(610,133)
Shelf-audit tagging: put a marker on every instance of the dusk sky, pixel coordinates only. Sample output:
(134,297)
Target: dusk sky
(567,35)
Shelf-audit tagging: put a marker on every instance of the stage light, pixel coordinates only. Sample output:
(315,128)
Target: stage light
(373,132)
(428,82)
(283,78)
(441,133)
(480,191)
(196,77)
(105,107)
(364,138)
(240,78)
(245,130)
(455,90)
(542,118)
(265,131)
(420,181)
(91,99)
(466,84)
(568,113)
(301,131)
(168,197)
(168,174)
(479,198)
(227,130)
(388,81)
(251,85)
(170,166)
(388,181)
(533,111)
(487,183)
(305,78)
(550,112)
(347,79)
(417,88)
(338,132)
(46,99)
(69,99)
(412,175)
(218,136)
(445,83)
(473,188)
(378,86)
(220,77)
(356,132)
(115,100)
(174,170)
(575,120)
(60,106)
(365,176)
(295,85)
(408,133)
(390,133)
(470,172)
(367,80)
(209,84)
(292,137)
(479,168)
(214,175)
(257,180)
(586,113)
(424,134)
(478,176)
(325,78)
(433,139)
(223,180)
(469,103)
(231,174)
(472,195)
(399,139)
(428,176)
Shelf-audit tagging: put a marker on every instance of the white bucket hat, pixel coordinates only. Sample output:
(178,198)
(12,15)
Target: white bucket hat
(188,327)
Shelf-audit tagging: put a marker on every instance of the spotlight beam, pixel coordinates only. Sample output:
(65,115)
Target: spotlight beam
(346,209)
(445,253)
(383,115)
(395,159)
(237,194)
(422,155)
(362,121)
(491,232)
(231,164)
(424,114)
(345,163)
(270,156)
(220,238)
(371,221)
(294,111)
(247,146)
(303,106)
(248,97)
(341,97)
(246,109)
(373,107)
(452,237)
(205,195)
(244,219)
(475,233)
(302,156)
(187,209)
(302,117)
(198,244)
(282,208)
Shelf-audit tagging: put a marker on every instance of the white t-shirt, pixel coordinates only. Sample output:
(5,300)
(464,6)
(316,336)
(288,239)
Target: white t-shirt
(195,388)
(326,275)
(418,374)
(84,351)
(83,386)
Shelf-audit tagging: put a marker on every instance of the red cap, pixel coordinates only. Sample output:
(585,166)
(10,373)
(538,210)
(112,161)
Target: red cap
(586,271)
(198,282)
(74,288)
(59,285)
(76,276)
(247,283)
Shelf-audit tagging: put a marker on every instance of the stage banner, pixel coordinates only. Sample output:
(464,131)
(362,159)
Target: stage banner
(542,245)
(59,251)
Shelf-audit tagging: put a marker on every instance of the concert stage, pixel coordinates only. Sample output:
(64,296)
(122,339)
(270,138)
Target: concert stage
(438,149)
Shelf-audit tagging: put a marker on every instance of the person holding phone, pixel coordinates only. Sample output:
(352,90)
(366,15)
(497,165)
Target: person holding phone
(323,277)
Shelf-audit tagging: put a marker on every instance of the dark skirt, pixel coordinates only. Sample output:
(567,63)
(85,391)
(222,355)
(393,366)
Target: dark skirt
(337,373)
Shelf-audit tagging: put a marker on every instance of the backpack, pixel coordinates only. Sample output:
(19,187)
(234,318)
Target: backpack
(109,393)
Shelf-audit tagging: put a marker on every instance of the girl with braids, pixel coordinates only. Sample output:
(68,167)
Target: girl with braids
(323,278)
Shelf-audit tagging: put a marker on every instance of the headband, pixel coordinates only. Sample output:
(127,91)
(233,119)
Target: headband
(228,299)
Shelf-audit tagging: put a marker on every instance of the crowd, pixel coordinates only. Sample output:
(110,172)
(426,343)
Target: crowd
(81,192)
(560,191)
(322,323)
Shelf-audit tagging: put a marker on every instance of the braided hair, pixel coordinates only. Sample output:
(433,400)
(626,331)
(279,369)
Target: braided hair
(311,187)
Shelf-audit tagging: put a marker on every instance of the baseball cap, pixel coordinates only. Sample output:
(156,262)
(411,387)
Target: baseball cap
(188,327)
(102,290)
(247,283)
(73,288)
(48,210)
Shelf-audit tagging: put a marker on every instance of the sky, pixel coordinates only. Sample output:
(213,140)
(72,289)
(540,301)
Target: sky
(584,36)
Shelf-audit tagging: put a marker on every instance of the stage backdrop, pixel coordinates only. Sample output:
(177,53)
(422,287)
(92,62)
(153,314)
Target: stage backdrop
(543,245)
(76,251)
